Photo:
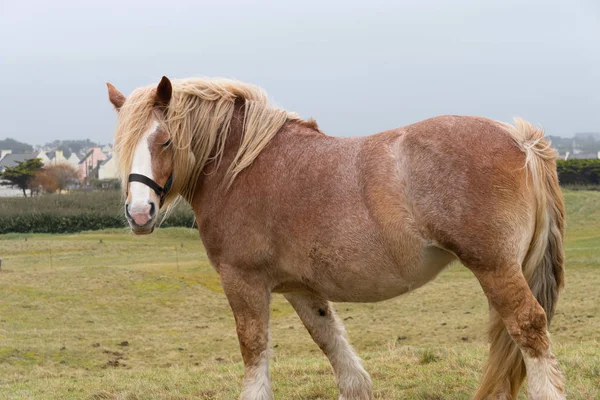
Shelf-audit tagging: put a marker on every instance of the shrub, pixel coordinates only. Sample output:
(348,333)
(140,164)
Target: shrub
(55,178)
(576,172)
(74,212)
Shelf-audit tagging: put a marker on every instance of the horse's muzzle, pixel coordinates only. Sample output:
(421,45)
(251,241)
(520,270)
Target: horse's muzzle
(141,217)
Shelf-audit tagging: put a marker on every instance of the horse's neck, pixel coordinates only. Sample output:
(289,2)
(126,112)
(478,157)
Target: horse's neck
(213,181)
(215,172)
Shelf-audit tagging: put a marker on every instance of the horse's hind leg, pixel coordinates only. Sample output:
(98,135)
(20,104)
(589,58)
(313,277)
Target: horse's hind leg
(525,320)
(329,334)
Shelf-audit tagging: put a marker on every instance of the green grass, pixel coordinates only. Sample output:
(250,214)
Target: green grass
(69,302)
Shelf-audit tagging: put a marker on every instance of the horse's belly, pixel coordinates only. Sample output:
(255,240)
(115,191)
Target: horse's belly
(368,290)
(371,282)
(371,292)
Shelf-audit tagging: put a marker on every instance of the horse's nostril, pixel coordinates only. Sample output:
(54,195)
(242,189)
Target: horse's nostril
(152,209)
(127,212)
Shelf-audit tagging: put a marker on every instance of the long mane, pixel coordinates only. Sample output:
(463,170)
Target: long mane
(197,121)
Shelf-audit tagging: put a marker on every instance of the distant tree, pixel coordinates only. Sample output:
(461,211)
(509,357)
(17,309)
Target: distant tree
(44,181)
(15,146)
(22,174)
(62,175)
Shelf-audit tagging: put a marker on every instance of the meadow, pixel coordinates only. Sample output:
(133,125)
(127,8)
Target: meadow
(107,315)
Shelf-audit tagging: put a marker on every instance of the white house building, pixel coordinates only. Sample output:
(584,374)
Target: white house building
(42,155)
(57,157)
(107,169)
(73,160)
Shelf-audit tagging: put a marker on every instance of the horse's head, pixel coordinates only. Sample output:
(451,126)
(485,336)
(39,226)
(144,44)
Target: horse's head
(168,134)
(145,154)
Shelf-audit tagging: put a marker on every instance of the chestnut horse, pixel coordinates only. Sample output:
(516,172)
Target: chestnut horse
(283,208)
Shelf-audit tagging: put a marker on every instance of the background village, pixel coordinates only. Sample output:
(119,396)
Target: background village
(64,166)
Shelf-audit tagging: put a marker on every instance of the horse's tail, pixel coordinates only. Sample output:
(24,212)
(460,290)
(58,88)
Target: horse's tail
(543,265)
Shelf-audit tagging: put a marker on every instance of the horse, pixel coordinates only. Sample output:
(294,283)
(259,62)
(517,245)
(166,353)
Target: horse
(282,207)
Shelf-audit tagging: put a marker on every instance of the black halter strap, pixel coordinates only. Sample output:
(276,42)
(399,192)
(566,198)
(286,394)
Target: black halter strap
(160,191)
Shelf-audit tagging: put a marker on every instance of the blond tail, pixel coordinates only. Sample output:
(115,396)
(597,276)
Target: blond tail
(543,266)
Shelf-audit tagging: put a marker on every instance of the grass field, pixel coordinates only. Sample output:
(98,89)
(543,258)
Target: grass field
(106,315)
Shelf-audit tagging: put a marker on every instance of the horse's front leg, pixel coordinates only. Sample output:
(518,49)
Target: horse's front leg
(249,299)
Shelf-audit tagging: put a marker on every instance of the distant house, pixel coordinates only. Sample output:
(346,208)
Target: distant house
(11,159)
(107,149)
(57,157)
(561,144)
(4,153)
(107,169)
(88,165)
(586,142)
(43,156)
(73,160)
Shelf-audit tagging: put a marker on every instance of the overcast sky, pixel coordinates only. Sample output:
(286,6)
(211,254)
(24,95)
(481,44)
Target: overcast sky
(357,67)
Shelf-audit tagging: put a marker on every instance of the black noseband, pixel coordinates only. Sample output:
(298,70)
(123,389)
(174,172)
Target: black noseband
(161,192)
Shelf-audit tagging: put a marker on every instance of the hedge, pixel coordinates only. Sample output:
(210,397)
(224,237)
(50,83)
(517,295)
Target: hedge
(74,212)
(579,172)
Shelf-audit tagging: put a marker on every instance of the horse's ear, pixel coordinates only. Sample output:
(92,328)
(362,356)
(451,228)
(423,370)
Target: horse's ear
(116,98)
(164,91)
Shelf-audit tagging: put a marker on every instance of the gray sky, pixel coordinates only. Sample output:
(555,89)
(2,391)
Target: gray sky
(357,67)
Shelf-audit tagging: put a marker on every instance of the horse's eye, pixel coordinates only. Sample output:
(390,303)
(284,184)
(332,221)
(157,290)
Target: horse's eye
(167,143)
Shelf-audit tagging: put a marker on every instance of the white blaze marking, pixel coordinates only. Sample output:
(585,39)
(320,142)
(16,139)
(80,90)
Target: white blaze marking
(142,164)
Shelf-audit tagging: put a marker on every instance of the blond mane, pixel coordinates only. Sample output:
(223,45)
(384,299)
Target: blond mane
(197,121)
